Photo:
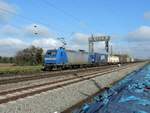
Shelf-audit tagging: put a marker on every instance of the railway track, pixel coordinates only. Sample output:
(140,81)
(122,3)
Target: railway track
(14,94)
(8,80)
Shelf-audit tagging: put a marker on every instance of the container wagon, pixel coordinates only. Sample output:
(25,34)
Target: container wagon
(98,58)
(113,59)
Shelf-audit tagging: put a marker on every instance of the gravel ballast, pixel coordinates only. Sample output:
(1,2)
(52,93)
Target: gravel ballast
(64,97)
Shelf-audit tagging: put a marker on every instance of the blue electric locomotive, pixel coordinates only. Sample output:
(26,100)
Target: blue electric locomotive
(62,58)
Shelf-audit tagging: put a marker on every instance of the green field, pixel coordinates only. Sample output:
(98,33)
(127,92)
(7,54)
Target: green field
(10,69)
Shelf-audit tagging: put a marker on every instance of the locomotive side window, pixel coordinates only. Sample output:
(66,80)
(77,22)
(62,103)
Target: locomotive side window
(51,53)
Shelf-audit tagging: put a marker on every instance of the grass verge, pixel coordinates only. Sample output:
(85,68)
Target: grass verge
(20,69)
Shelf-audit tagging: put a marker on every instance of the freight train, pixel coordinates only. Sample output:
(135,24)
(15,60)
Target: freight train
(61,59)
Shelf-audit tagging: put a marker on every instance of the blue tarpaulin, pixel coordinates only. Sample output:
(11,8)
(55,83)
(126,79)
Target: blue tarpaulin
(130,95)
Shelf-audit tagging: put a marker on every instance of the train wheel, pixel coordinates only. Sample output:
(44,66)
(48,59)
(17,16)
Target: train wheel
(45,69)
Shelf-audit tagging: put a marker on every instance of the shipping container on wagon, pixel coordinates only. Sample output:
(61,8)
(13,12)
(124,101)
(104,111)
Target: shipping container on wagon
(98,58)
(123,58)
(113,59)
(77,57)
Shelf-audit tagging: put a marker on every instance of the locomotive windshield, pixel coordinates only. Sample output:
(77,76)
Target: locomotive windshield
(51,53)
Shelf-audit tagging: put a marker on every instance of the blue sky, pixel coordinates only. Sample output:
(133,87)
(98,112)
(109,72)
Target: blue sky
(127,21)
(106,16)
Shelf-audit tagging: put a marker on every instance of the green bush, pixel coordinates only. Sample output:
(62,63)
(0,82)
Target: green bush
(29,56)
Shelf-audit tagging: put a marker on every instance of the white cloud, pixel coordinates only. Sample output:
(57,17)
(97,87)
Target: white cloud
(135,43)
(80,38)
(5,9)
(47,43)
(9,30)
(13,39)
(9,46)
(140,34)
(80,41)
(13,42)
(136,49)
(147,15)
(36,30)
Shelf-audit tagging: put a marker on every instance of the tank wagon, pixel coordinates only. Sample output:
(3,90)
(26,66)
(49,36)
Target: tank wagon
(62,58)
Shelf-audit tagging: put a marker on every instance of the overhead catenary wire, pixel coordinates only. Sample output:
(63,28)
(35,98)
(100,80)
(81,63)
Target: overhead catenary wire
(48,3)
(61,10)
(47,24)
(29,19)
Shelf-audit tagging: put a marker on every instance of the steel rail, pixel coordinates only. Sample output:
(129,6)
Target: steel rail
(28,91)
(48,75)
